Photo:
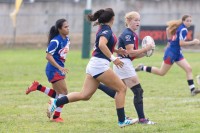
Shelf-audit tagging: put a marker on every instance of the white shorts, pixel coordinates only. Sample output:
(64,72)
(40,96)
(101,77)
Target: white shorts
(126,71)
(97,66)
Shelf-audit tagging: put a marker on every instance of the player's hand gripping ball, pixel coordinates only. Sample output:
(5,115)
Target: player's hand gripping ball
(148,40)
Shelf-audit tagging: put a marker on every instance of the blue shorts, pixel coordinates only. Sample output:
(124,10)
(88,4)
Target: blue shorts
(170,57)
(54,76)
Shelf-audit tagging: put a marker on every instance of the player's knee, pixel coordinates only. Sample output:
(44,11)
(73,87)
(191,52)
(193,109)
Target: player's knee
(138,95)
(162,73)
(86,97)
(122,89)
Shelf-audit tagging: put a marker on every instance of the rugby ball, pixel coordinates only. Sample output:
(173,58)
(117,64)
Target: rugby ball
(148,40)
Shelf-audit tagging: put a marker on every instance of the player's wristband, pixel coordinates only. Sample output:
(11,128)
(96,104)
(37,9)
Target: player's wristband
(113,58)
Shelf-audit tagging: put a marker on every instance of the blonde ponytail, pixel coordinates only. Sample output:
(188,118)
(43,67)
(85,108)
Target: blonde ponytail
(173,25)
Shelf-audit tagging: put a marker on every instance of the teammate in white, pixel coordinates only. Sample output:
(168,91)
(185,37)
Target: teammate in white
(129,41)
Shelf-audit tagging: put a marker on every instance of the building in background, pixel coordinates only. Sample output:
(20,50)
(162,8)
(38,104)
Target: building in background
(37,16)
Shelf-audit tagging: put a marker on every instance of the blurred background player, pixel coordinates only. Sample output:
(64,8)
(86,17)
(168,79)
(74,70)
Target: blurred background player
(176,33)
(58,47)
(98,69)
(129,40)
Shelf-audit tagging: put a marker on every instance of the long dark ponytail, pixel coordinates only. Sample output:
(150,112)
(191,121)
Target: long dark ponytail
(102,15)
(54,29)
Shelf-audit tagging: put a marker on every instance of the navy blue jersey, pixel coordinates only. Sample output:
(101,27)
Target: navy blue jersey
(58,48)
(181,34)
(104,30)
(126,38)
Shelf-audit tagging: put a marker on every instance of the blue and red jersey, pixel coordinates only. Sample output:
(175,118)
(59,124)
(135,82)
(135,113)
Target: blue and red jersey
(58,48)
(173,52)
(126,38)
(181,34)
(104,30)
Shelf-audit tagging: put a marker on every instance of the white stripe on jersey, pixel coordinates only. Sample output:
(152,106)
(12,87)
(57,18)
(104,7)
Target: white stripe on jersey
(52,51)
(180,34)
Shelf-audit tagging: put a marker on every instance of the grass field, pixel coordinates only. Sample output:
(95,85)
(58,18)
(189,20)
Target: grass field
(167,100)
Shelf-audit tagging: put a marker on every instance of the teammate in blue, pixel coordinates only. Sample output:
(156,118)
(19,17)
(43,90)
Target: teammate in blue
(129,40)
(98,69)
(176,34)
(58,47)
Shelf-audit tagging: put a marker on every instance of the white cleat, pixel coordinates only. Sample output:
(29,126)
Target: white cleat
(127,122)
(146,121)
(51,108)
(195,92)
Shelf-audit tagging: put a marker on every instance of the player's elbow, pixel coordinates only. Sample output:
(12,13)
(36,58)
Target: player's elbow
(162,73)
(84,96)
(132,53)
(48,56)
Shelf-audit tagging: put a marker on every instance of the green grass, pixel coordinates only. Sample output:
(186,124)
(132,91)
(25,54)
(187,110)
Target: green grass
(167,100)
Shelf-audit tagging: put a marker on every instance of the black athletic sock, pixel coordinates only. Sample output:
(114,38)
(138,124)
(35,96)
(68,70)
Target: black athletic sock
(61,101)
(107,90)
(146,69)
(39,87)
(191,84)
(121,114)
(139,98)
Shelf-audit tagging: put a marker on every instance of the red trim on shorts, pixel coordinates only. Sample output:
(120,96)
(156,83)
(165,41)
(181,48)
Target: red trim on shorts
(57,77)
(168,61)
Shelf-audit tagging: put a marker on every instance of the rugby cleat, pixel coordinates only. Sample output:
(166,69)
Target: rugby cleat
(195,92)
(51,108)
(58,120)
(128,121)
(139,67)
(32,87)
(146,121)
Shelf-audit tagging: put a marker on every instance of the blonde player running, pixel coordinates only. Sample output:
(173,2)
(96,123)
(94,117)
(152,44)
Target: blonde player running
(129,41)
(176,33)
